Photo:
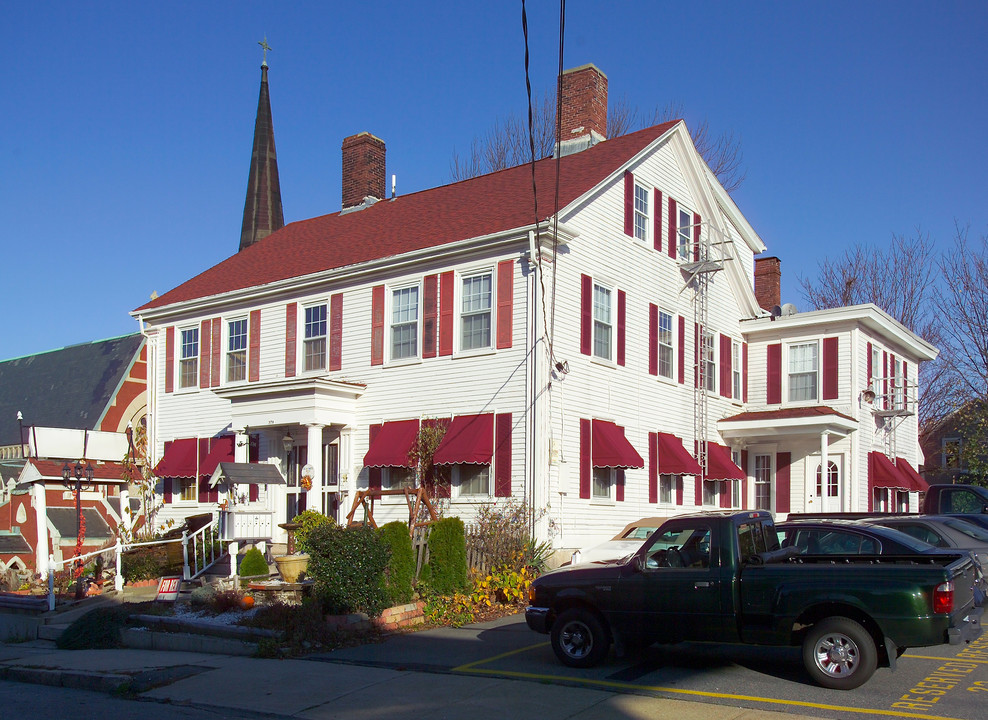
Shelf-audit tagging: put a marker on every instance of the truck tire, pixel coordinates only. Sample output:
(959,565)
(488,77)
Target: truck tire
(579,638)
(840,654)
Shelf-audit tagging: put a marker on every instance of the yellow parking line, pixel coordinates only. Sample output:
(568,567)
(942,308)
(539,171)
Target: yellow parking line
(944,659)
(469,666)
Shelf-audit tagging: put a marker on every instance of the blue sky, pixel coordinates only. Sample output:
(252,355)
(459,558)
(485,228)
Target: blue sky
(127,126)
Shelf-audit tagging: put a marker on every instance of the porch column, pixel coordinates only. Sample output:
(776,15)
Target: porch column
(125,518)
(241,447)
(41,514)
(315,460)
(825,500)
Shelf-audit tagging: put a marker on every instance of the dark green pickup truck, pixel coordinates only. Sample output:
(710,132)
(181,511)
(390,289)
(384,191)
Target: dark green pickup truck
(721,577)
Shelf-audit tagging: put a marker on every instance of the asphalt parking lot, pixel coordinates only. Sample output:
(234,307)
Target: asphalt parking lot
(940,682)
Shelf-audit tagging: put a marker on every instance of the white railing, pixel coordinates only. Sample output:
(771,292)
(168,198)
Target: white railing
(243,525)
(205,544)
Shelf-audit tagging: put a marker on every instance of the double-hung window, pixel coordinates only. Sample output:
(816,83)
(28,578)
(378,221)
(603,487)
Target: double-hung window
(736,370)
(685,234)
(709,360)
(665,344)
(804,371)
(602,481)
(763,482)
(475,311)
(898,386)
(666,484)
(188,363)
(188,490)
(473,480)
(603,324)
(398,478)
(641,212)
(236,350)
(736,486)
(876,371)
(404,322)
(314,345)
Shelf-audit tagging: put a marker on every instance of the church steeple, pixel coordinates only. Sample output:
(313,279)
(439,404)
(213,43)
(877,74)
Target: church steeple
(262,210)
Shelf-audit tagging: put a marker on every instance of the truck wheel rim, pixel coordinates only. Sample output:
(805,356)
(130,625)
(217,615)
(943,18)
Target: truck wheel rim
(576,639)
(837,655)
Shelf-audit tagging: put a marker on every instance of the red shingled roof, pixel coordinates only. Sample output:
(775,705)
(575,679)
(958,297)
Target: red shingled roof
(480,206)
(787,414)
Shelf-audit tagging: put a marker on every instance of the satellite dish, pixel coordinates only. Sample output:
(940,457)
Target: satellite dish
(788,309)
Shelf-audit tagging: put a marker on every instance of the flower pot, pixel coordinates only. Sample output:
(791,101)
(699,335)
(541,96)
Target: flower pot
(291,566)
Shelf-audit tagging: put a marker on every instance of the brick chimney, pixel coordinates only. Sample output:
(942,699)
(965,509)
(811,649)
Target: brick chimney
(583,106)
(363,169)
(768,282)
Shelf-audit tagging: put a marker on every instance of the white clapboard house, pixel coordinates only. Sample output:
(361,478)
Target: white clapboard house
(603,347)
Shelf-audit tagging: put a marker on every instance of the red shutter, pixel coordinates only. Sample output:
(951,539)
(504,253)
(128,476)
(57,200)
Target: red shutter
(622,300)
(586,314)
(672,228)
(682,350)
(696,237)
(619,486)
(629,203)
(169,360)
(253,492)
(336,332)
(254,347)
(205,338)
(679,489)
(446,313)
(744,483)
(586,472)
(653,467)
(505,302)
(502,455)
(773,369)
(430,312)
(203,482)
(166,488)
(291,329)
(377,326)
(725,494)
(744,372)
(726,386)
(374,473)
(868,361)
(830,348)
(657,221)
(217,352)
(885,379)
(782,461)
(653,339)
(905,380)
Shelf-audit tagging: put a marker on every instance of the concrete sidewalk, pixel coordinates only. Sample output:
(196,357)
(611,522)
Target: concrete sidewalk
(326,687)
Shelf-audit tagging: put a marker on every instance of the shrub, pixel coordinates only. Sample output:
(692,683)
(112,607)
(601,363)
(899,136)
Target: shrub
(144,563)
(308,520)
(99,629)
(455,610)
(400,574)
(348,567)
(447,557)
(302,627)
(202,596)
(502,535)
(253,564)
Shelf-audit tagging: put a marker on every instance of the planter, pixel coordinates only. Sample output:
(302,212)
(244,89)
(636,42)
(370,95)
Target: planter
(291,566)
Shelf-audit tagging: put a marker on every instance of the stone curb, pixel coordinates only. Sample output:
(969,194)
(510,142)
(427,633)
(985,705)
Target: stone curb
(78,680)
(185,642)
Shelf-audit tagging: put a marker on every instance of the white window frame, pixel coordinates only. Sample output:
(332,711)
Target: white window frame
(666,348)
(833,480)
(315,340)
(876,371)
(462,313)
(236,357)
(708,356)
(395,478)
(596,476)
(457,479)
(667,489)
(641,212)
(600,324)
(414,324)
(188,491)
(789,373)
(898,385)
(193,359)
(737,379)
(710,497)
(684,233)
(880,499)
(736,484)
(764,479)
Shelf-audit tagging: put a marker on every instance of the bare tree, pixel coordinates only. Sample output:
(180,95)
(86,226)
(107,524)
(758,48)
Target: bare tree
(507,143)
(901,281)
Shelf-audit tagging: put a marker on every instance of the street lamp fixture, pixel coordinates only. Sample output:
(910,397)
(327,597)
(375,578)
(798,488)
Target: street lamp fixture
(78,472)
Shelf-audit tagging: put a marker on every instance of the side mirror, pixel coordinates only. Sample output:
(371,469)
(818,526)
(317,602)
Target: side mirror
(638,563)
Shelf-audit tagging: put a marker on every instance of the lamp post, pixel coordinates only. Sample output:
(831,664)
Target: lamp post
(78,472)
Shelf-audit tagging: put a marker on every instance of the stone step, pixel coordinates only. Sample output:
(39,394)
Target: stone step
(52,632)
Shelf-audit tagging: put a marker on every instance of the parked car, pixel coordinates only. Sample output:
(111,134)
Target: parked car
(942,531)
(848,537)
(721,577)
(621,545)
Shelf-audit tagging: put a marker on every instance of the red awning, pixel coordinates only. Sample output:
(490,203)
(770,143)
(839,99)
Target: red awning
(468,439)
(611,448)
(673,457)
(391,444)
(916,480)
(180,459)
(883,474)
(220,450)
(720,466)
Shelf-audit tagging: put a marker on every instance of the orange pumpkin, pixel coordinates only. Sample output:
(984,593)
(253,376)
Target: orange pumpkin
(247,602)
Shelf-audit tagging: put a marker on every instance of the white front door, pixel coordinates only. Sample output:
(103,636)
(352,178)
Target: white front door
(825,489)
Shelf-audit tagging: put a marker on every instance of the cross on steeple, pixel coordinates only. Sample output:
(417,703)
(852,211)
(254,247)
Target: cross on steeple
(264,44)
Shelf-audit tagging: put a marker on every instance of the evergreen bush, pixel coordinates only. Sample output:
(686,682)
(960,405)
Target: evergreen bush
(401,567)
(307,520)
(348,566)
(253,564)
(448,557)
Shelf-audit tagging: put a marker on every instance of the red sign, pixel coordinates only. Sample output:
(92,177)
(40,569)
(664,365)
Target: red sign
(168,588)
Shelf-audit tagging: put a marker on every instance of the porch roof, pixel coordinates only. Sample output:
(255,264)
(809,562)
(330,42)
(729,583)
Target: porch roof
(812,420)
(246,474)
